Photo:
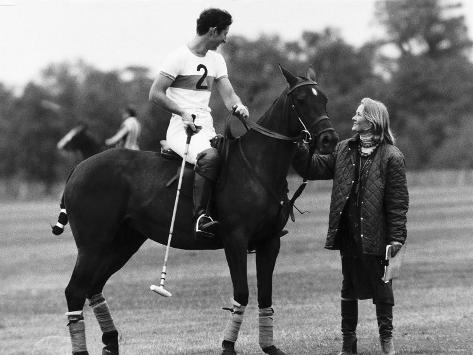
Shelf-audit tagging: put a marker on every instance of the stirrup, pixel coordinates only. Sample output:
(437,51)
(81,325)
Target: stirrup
(206,226)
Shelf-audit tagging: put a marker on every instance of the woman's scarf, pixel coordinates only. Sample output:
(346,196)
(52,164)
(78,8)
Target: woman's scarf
(368,143)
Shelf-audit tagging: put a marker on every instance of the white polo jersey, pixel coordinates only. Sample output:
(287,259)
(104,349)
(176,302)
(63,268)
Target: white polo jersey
(193,77)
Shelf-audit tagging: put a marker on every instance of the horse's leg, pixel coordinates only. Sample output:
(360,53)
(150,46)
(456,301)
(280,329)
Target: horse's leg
(119,253)
(236,246)
(93,268)
(76,292)
(266,254)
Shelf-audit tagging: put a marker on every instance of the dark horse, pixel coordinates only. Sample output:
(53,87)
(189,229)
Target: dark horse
(117,199)
(79,139)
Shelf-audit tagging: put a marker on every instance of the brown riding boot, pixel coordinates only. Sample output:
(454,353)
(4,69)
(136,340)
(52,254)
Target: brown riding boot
(205,226)
(384,315)
(349,312)
(206,173)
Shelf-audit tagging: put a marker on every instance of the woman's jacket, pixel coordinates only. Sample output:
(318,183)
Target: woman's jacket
(384,199)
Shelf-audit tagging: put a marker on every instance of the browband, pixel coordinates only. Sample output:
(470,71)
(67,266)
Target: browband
(307,82)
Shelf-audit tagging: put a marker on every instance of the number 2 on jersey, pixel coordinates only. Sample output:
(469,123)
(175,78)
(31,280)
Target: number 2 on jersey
(201,80)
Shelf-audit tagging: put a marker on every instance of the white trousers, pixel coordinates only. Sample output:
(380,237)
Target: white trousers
(176,136)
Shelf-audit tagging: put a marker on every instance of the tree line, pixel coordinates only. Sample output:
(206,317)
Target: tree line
(420,68)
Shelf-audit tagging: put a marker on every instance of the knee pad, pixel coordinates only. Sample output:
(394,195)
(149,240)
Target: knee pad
(208,164)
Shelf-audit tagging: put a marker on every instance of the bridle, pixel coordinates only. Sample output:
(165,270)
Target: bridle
(305,135)
(305,131)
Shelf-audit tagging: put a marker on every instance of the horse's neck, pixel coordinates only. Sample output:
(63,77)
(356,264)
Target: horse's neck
(276,117)
(270,156)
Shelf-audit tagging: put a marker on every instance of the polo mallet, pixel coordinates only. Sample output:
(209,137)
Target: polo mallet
(160,289)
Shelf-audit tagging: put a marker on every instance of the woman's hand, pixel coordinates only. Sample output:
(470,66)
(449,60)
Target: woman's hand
(395,247)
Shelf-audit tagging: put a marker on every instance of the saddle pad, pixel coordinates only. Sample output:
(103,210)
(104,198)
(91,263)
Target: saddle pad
(170,154)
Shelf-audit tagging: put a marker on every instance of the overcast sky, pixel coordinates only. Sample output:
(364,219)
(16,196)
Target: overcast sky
(116,33)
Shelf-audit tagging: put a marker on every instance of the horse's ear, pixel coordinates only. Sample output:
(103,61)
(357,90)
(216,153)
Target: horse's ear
(311,74)
(291,79)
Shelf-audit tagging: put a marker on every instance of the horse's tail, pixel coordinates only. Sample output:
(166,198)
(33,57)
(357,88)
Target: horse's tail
(61,220)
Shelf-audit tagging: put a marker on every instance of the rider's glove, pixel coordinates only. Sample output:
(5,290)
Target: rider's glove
(240,110)
(188,120)
(217,141)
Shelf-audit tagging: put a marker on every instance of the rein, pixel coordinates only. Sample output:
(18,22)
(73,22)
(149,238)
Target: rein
(267,132)
(305,135)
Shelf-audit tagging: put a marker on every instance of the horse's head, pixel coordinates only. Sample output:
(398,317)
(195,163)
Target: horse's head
(70,142)
(308,112)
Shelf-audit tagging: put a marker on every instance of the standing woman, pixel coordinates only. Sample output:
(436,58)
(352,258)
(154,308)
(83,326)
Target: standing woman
(368,211)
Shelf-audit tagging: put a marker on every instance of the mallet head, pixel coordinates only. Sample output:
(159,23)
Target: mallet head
(160,290)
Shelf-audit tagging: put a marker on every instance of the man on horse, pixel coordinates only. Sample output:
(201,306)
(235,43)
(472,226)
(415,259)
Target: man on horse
(183,87)
(129,132)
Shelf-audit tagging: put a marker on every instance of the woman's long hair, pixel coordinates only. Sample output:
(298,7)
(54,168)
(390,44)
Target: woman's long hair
(377,114)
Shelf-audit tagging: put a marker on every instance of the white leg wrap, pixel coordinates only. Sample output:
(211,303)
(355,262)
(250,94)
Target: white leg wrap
(102,313)
(265,320)
(234,323)
(77,331)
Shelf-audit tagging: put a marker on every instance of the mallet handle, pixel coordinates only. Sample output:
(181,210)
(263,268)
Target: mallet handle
(176,201)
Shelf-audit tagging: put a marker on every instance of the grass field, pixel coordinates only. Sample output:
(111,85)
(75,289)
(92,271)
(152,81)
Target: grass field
(434,312)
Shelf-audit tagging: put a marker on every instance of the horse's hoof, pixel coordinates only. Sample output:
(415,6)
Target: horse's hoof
(110,339)
(109,351)
(228,348)
(272,350)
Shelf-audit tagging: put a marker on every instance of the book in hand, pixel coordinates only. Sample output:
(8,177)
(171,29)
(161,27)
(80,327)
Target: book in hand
(392,267)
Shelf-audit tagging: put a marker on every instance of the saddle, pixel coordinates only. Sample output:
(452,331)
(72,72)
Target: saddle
(219,142)
(167,152)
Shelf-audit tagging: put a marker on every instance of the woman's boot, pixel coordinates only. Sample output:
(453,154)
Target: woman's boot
(384,315)
(349,311)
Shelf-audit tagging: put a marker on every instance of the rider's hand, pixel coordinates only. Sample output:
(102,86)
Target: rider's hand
(395,247)
(188,121)
(240,110)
